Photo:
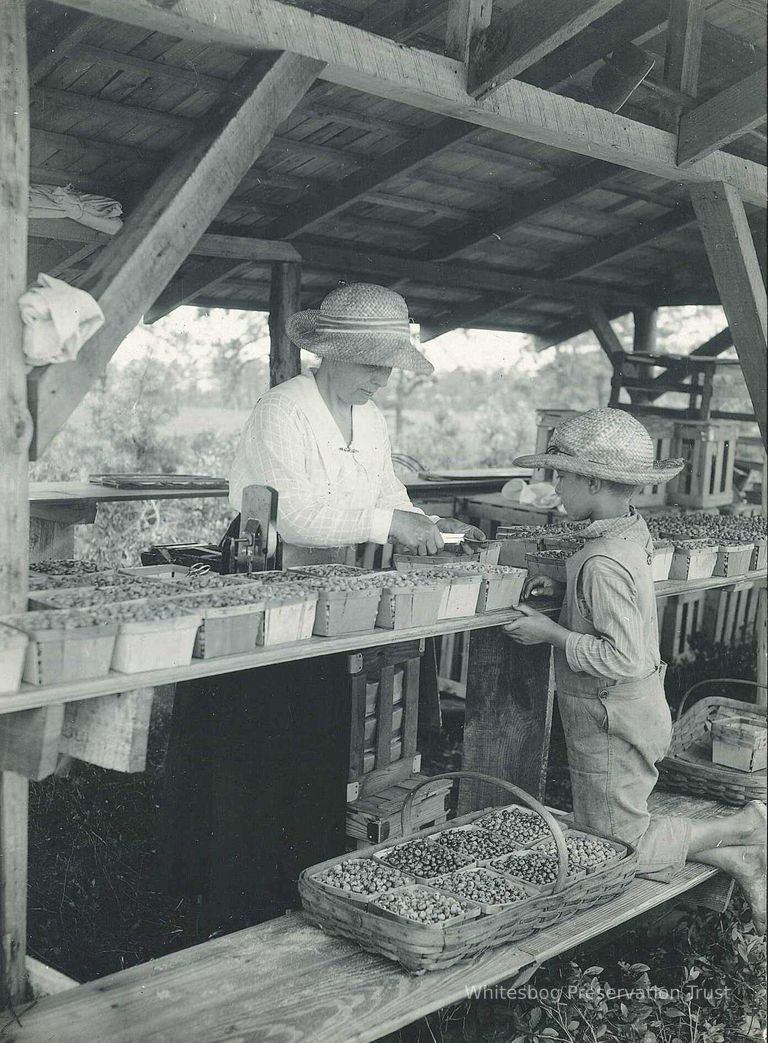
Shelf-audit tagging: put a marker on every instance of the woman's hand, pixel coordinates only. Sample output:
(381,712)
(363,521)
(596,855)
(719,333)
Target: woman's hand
(539,586)
(470,531)
(415,533)
(534,628)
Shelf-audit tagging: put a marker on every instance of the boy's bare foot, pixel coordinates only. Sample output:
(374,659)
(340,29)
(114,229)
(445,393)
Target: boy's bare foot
(756,821)
(746,864)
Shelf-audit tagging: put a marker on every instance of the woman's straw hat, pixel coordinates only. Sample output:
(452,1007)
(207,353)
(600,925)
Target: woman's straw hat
(605,443)
(362,323)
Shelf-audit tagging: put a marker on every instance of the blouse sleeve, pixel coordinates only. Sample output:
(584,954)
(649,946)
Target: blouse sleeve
(394,495)
(274,451)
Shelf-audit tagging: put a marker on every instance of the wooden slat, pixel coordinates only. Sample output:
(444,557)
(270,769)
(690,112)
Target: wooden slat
(160,232)
(357,690)
(29,741)
(78,26)
(722,119)
(532,30)
(14,508)
(284,300)
(733,258)
(46,981)
(606,335)
(110,732)
(410,706)
(465,19)
(384,716)
(684,39)
(358,60)
(508,716)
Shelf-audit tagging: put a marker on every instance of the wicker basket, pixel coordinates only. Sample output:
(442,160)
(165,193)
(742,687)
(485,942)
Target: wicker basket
(688,766)
(423,947)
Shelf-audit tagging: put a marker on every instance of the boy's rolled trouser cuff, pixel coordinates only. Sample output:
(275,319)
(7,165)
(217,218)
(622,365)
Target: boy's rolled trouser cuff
(663,848)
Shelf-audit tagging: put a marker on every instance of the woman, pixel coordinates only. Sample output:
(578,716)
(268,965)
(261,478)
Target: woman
(258,760)
(321,442)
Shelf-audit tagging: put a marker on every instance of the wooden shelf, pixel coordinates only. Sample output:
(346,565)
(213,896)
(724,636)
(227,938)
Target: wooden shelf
(30,696)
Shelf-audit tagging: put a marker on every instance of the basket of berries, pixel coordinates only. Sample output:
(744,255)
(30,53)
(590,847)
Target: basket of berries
(13,650)
(693,559)
(453,892)
(65,645)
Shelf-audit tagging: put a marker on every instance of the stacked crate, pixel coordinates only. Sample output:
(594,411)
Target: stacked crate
(708,448)
(683,617)
(730,613)
(662,432)
(546,422)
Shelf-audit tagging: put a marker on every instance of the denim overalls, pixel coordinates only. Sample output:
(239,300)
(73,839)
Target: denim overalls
(616,732)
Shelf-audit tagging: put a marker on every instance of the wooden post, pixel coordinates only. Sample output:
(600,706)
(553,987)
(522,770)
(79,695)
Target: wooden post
(284,300)
(733,259)
(685,33)
(510,696)
(465,18)
(644,339)
(762,615)
(15,434)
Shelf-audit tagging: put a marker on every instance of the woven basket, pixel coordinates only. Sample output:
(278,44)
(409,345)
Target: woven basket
(422,947)
(688,767)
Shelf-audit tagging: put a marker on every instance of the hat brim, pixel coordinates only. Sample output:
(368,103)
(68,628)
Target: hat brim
(368,347)
(662,471)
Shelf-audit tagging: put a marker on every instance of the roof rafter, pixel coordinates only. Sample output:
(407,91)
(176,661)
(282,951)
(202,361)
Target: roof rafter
(722,119)
(515,42)
(378,66)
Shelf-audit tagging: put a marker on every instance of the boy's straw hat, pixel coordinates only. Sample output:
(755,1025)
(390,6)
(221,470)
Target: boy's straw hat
(605,443)
(362,323)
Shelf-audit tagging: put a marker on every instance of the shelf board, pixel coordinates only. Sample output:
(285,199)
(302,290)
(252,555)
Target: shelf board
(31,696)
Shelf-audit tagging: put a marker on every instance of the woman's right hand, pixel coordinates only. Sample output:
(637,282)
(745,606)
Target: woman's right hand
(539,586)
(415,533)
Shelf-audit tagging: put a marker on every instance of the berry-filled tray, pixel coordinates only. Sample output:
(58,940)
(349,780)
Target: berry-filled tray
(460,901)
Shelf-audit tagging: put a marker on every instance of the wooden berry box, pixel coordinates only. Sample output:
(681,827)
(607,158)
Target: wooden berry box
(13,651)
(663,552)
(346,611)
(693,562)
(733,559)
(460,597)
(487,908)
(287,618)
(58,655)
(404,607)
(501,590)
(739,742)
(759,555)
(619,850)
(155,644)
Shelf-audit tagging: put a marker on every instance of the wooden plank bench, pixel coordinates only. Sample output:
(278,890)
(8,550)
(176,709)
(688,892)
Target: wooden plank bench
(316,988)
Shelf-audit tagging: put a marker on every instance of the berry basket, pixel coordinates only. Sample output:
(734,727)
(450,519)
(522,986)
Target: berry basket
(153,634)
(759,556)
(230,624)
(550,563)
(392,926)
(662,559)
(407,601)
(64,646)
(502,587)
(344,607)
(13,650)
(688,767)
(288,616)
(586,851)
(693,559)
(733,559)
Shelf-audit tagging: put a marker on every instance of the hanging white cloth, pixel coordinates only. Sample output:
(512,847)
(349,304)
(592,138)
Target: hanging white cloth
(56,201)
(58,319)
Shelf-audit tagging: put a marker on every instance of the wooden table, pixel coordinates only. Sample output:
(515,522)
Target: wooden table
(489,510)
(56,507)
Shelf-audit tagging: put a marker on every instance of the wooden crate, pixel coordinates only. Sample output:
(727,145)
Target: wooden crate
(683,617)
(730,613)
(374,819)
(453,664)
(384,709)
(708,448)
(662,431)
(546,422)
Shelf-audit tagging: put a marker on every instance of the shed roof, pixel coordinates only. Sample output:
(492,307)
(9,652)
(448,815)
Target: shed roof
(365,187)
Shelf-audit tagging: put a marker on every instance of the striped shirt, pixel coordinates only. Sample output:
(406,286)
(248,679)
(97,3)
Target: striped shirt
(330,494)
(607,597)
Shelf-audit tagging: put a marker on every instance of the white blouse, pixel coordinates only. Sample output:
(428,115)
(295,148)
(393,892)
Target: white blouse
(329,494)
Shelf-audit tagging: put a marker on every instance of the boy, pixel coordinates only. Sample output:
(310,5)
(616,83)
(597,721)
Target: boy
(608,672)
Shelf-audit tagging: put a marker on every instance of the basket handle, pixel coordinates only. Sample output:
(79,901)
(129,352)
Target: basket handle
(712,680)
(526,798)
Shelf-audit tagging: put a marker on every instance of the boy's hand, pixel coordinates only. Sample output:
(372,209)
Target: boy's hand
(532,628)
(539,586)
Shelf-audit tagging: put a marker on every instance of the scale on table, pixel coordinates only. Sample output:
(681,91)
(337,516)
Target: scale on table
(251,546)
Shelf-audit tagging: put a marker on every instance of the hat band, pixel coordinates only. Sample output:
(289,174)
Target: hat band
(344,323)
(555,450)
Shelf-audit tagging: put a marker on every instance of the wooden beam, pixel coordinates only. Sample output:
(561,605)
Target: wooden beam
(284,301)
(606,335)
(576,263)
(76,26)
(162,230)
(14,442)
(722,119)
(381,67)
(466,18)
(733,258)
(684,40)
(523,207)
(645,327)
(524,36)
